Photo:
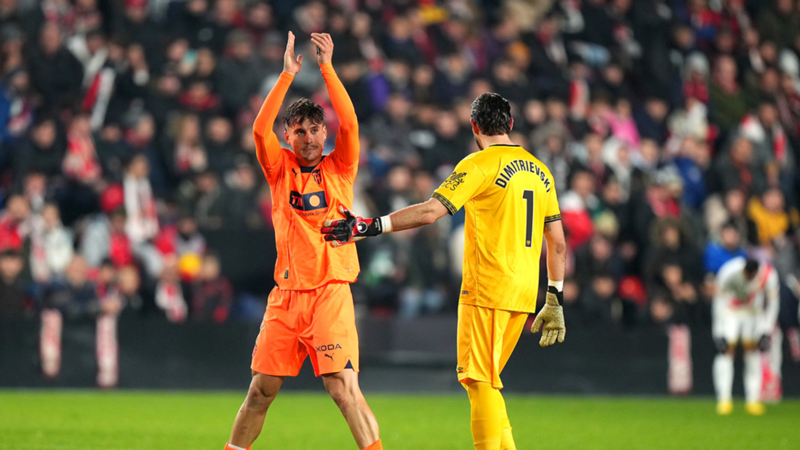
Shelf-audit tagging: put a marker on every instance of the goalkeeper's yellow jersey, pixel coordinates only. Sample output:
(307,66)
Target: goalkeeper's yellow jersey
(509,195)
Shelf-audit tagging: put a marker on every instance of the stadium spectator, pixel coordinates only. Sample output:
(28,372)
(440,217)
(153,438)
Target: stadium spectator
(576,205)
(42,152)
(212,294)
(141,225)
(74,296)
(673,246)
(55,73)
(769,215)
(726,98)
(597,274)
(169,292)
(242,193)
(240,71)
(676,109)
(12,294)
(729,246)
(51,245)
(186,155)
(14,227)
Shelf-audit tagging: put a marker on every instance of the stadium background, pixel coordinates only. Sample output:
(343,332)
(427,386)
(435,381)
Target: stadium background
(127,172)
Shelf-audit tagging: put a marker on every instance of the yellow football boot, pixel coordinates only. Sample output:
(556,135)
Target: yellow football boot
(725,408)
(755,408)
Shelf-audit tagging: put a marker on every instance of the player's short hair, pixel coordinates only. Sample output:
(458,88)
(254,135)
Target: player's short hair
(301,110)
(492,114)
(751,266)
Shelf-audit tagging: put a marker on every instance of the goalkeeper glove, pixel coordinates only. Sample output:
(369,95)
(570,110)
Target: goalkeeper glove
(351,228)
(763,343)
(552,317)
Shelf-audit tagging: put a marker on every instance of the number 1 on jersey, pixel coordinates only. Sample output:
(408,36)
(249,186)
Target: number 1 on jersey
(528,196)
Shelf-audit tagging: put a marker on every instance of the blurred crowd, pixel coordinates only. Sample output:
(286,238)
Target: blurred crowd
(670,127)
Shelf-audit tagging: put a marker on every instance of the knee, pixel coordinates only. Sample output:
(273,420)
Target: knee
(341,394)
(259,399)
(723,347)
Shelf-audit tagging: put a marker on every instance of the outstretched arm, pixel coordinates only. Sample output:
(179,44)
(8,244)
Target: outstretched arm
(268,149)
(353,228)
(417,215)
(347,143)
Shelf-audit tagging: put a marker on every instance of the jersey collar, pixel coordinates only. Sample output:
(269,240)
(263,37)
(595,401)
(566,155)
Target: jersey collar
(503,145)
(309,169)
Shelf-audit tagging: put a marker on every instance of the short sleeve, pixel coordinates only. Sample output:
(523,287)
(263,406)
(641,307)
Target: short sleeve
(461,186)
(553,212)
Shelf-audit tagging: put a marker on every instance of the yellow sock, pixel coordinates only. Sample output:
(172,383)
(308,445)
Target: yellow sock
(486,413)
(506,438)
(375,446)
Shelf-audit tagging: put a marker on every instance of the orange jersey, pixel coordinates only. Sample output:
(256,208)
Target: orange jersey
(304,197)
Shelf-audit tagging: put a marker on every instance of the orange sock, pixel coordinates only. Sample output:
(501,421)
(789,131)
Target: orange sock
(375,446)
(230,446)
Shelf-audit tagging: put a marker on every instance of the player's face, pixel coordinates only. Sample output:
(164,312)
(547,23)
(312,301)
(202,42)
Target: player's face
(307,140)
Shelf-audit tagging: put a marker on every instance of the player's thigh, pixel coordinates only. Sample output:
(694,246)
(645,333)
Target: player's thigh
(726,325)
(749,334)
(278,350)
(514,322)
(478,345)
(332,339)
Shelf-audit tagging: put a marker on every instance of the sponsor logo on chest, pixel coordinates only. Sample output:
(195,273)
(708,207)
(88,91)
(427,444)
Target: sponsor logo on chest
(309,201)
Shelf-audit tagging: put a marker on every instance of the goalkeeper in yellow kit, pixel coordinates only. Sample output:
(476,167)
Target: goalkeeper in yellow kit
(510,200)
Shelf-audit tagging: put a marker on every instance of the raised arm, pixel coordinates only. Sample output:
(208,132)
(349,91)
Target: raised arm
(268,149)
(347,143)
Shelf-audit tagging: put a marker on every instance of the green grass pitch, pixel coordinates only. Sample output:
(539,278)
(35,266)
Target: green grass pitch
(64,420)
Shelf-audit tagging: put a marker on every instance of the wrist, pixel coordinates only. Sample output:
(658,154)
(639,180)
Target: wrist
(554,297)
(379,225)
(559,285)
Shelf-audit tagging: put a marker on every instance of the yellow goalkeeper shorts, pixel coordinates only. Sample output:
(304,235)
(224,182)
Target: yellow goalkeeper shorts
(486,338)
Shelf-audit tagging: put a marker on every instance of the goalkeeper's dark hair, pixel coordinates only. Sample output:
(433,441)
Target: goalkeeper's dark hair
(492,114)
(301,110)
(751,266)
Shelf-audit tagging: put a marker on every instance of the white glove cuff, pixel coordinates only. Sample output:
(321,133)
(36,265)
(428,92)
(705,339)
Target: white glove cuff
(556,284)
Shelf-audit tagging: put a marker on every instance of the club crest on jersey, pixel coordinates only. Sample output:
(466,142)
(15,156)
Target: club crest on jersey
(308,202)
(317,174)
(454,180)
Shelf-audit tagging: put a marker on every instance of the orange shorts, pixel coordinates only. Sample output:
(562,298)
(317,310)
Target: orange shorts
(318,322)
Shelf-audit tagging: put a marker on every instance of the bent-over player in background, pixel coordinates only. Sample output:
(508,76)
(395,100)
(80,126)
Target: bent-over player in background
(310,312)
(745,310)
(510,198)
